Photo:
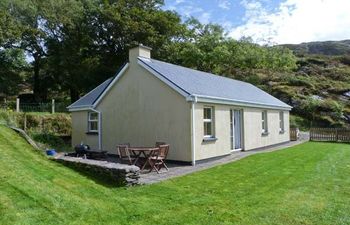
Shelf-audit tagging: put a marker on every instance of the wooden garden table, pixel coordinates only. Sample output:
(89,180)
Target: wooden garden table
(145,152)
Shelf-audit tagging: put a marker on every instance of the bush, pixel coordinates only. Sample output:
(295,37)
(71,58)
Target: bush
(11,118)
(299,122)
(50,141)
(345,59)
(58,124)
(300,81)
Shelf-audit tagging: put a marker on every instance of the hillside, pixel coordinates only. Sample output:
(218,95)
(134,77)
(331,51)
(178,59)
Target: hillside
(319,88)
(34,190)
(321,48)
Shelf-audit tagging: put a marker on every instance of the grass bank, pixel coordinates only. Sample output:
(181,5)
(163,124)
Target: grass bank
(305,184)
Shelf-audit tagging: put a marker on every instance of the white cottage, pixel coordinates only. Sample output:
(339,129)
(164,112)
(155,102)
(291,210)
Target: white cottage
(201,115)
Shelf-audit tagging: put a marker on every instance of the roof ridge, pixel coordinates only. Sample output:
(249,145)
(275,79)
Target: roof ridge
(208,85)
(204,72)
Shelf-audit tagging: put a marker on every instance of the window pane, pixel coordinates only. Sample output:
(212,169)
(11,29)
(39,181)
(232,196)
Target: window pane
(93,125)
(281,121)
(207,113)
(207,129)
(93,116)
(264,121)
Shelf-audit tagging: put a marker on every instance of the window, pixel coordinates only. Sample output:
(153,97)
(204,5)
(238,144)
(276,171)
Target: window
(208,122)
(281,122)
(264,122)
(93,122)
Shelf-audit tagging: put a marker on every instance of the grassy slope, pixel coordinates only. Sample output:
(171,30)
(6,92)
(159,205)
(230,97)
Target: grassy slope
(307,184)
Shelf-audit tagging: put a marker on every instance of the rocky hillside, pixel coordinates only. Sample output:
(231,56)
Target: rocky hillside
(321,48)
(319,88)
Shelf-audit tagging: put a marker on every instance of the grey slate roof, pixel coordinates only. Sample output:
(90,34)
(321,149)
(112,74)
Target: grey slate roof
(90,98)
(195,82)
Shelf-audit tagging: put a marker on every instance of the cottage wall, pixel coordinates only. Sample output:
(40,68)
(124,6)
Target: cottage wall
(80,130)
(140,110)
(252,127)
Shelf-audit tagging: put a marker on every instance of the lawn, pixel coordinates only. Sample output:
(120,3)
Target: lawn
(306,184)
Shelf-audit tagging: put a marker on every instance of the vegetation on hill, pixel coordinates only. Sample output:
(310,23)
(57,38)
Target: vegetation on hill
(47,130)
(75,45)
(278,188)
(321,48)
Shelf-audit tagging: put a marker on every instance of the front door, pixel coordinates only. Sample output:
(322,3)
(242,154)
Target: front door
(236,129)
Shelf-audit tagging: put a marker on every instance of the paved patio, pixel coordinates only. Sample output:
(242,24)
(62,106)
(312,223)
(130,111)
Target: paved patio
(176,170)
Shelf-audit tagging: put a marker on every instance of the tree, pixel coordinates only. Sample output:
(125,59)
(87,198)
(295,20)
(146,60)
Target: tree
(93,45)
(206,47)
(12,64)
(26,17)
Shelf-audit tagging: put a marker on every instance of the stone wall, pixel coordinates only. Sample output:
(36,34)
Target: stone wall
(116,173)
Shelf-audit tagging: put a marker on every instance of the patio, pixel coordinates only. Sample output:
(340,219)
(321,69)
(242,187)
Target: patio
(176,170)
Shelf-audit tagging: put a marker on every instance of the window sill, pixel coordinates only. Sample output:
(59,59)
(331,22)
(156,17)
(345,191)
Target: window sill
(282,132)
(210,139)
(92,133)
(265,134)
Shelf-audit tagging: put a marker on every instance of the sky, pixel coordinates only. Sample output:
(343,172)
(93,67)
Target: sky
(272,21)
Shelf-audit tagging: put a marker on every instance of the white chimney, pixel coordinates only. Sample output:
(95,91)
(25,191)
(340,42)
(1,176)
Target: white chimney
(139,51)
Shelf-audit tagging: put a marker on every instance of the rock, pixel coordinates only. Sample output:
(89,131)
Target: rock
(121,174)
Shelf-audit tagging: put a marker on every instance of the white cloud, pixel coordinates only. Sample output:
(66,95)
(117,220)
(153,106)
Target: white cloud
(295,21)
(224,4)
(179,1)
(204,17)
(188,10)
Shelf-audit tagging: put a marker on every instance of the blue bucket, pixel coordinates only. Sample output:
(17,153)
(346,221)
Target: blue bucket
(51,152)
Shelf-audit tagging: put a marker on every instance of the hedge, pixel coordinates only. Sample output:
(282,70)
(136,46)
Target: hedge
(58,123)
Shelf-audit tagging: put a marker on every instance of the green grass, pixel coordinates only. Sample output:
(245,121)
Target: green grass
(306,184)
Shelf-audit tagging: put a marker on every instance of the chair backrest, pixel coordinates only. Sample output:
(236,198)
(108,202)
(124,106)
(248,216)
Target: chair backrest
(123,150)
(163,151)
(158,143)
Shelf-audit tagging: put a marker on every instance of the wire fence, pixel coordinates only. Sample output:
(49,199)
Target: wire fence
(35,107)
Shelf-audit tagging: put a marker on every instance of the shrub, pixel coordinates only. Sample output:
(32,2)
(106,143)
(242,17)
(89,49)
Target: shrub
(345,59)
(299,122)
(59,123)
(50,141)
(11,118)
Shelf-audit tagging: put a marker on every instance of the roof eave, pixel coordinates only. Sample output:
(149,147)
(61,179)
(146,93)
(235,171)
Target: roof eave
(226,101)
(103,93)
(111,84)
(80,108)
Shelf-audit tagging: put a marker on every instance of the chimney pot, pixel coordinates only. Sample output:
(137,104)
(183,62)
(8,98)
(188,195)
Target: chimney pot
(139,51)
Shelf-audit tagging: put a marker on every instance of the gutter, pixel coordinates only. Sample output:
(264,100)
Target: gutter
(227,101)
(193,99)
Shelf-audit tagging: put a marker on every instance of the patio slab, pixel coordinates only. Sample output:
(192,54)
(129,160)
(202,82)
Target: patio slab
(176,170)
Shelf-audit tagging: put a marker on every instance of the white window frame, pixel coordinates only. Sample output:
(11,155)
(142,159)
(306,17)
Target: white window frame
(210,120)
(264,122)
(281,122)
(92,120)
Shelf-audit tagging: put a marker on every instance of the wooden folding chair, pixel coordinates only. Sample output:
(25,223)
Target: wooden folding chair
(157,160)
(124,153)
